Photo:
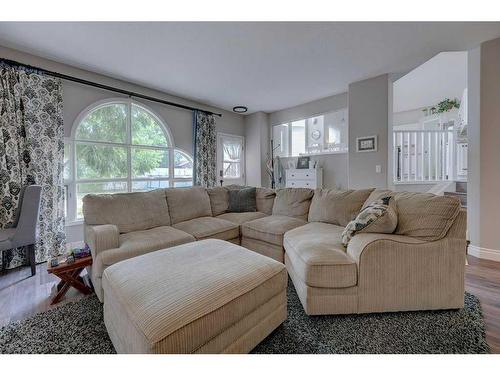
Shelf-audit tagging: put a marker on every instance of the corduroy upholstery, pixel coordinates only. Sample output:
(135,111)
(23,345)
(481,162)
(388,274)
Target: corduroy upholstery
(205,296)
(241,217)
(293,202)
(424,215)
(318,257)
(265,248)
(337,206)
(419,266)
(188,203)
(265,200)
(209,227)
(270,228)
(134,244)
(219,200)
(394,272)
(127,211)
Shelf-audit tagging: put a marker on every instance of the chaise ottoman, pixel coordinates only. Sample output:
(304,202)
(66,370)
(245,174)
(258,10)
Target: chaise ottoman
(209,296)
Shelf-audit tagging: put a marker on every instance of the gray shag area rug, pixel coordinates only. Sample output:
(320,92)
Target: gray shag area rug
(78,327)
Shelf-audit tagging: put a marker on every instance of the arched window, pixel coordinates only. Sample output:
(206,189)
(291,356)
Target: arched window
(121,146)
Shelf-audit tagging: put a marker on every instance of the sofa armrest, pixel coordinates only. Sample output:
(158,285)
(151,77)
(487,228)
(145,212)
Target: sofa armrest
(362,241)
(101,237)
(398,273)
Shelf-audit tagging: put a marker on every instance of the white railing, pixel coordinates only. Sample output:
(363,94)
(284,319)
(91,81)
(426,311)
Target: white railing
(424,155)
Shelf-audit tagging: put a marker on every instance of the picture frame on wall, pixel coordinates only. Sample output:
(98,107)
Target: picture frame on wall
(366,144)
(303,162)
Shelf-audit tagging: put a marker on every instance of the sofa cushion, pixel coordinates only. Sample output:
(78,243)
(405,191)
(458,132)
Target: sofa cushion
(128,211)
(188,203)
(424,215)
(265,200)
(318,256)
(270,228)
(242,200)
(209,227)
(219,200)
(137,243)
(241,217)
(336,206)
(379,216)
(293,202)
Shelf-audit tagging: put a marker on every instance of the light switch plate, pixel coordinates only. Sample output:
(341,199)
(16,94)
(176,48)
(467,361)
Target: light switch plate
(378,169)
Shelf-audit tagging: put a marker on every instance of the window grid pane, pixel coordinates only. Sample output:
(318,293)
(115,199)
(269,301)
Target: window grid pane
(107,123)
(115,163)
(95,161)
(146,130)
(183,165)
(149,163)
(148,185)
(231,170)
(325,133)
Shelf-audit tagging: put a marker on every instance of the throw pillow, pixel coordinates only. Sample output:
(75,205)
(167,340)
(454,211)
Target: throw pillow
(379,216)
(242,200)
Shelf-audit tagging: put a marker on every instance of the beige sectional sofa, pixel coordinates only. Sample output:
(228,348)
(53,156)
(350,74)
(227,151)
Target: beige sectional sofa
(125,225)
(419,266)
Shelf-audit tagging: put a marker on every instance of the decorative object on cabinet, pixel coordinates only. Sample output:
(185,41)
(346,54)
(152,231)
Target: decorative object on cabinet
(366,144)
(303,162)
(270,164)
(304,178)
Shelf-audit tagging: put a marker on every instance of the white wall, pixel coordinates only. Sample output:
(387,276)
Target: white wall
(334,166)
(77,97)
(484,153)
(443,76)
(368,115)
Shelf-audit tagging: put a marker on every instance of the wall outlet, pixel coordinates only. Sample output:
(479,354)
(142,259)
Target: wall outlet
(378,169)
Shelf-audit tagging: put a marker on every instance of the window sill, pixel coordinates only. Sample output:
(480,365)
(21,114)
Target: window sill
(316,154)
(73,223)
(431,182)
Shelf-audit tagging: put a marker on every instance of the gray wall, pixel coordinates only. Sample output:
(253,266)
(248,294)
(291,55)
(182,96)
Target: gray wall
(489,150)
(257,148)
(335,166)
(368,115)
(77,97)
(473,155)
(484,154)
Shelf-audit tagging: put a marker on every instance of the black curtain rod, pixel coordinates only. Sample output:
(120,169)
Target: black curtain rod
(106,87)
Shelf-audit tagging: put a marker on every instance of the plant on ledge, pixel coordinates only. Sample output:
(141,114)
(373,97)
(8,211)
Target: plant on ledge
(445,105)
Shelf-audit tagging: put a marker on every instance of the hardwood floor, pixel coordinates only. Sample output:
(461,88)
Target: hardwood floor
(22,296)
(482,278)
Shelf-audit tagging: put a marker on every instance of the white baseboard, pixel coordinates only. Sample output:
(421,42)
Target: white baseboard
(484,253)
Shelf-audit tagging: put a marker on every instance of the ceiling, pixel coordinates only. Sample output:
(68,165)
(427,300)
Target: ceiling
(266,66)
(443,76)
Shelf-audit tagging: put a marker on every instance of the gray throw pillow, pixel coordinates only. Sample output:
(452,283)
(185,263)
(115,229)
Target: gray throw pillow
(242,200)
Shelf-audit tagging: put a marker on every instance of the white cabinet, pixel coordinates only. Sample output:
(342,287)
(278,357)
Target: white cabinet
(304,178)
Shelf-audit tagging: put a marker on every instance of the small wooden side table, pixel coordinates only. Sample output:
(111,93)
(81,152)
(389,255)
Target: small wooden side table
(70,277)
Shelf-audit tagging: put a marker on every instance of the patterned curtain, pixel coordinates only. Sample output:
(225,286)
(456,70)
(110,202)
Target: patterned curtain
(31,152)
(205,149)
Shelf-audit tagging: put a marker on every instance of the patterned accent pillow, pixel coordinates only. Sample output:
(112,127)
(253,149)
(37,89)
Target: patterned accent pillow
(379,216)
(242,200)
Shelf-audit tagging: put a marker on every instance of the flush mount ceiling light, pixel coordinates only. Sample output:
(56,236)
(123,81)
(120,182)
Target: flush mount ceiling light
(240,109)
